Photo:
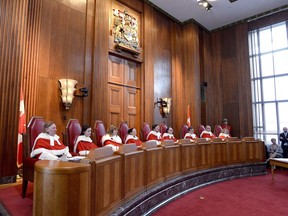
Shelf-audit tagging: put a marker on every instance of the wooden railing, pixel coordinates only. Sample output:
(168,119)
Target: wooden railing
(118,178)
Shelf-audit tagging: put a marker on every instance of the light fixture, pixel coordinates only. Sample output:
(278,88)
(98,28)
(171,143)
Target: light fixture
(67,87)
(164,105)
(205,4)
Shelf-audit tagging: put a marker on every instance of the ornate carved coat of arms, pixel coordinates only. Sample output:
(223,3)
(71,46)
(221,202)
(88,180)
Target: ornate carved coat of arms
(125,30)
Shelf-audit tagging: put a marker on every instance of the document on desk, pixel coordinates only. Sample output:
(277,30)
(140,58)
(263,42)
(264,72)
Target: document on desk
(75,158)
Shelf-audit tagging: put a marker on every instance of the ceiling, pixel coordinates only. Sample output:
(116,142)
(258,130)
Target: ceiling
(222,13)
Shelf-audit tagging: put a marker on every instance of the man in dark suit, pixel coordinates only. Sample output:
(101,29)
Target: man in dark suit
(284,142)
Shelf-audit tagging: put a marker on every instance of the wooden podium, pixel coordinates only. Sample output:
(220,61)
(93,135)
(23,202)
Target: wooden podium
(61,188)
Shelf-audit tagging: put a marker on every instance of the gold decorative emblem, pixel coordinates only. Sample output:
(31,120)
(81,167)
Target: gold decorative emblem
(125,30)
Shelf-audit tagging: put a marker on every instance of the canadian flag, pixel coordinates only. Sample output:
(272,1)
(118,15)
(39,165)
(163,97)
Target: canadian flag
(21,130)
(188,116)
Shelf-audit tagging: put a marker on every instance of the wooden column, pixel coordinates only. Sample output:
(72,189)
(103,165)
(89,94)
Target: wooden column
(61,188)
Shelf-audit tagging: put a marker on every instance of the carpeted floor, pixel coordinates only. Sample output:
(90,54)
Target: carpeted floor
(3,211)
(252,196)
(13,203)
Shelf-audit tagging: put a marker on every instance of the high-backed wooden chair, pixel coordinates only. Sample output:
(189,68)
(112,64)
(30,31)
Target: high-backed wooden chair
(99,131)
(72,131)
(123,131)
(200,129)
(217,130)
(183,131)
(145,130)
(34,128)
(163,128)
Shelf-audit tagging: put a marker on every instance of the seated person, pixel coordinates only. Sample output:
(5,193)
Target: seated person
(132,138)
(47,145)
(226,125)
(274,150)
(83,142)
(112,139)
(224,134)
(190,134)
(155,134)
(169,135)
(207,133)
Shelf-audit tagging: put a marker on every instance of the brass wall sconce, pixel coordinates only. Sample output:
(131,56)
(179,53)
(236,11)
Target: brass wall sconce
(67,87)
(164,105)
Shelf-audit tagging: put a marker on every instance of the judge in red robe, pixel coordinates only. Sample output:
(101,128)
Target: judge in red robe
(155,134)
(169,135)
(48,146)
(83,142)
(190,135)
(112,139)
(224,134)
(226,125)
(132,138)
(207,133)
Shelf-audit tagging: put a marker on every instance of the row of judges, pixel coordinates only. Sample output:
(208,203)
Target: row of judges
(48,146)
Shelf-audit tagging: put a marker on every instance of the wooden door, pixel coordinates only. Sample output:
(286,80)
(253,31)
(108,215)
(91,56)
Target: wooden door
(124,92)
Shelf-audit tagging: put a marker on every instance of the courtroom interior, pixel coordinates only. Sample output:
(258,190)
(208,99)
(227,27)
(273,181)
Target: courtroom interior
(131,64)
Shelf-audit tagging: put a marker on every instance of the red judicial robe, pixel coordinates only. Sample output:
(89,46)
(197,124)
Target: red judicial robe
(154,136)
(113,141)
(167,136)
(83,144)
(133,139)
(48,147)
(190,136)
(206,134)
(224,136)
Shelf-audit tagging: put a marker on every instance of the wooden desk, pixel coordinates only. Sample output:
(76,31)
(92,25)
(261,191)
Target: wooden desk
(282,162)
(61,188)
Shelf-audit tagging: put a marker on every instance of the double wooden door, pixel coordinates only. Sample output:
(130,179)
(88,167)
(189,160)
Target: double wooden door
(123,91)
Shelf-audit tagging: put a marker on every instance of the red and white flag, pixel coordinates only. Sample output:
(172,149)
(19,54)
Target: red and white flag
(21,130)
(188,116)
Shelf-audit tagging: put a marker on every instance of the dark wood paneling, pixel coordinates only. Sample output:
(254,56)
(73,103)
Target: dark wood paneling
(269,20)
(13,46)
(185,75)
(149,40)
(229,89)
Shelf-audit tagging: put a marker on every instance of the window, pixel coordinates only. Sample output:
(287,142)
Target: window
(268,53)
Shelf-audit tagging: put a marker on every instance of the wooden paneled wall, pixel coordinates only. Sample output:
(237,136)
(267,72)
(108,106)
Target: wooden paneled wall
(13,46)
(45,40)
(228,91)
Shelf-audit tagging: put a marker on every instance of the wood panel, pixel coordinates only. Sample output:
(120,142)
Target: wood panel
(61,55)
(204,155)
(154,167)
(115,104)
(149,40)
(124,92)
(116,70)
(254,150)
(13,47)
(219,153)
(132,74)
(100,60)
(131,107)
(188,157)
(172,161)
(106,185)
(68,186)
(235,152)
(134,174)
(185,75)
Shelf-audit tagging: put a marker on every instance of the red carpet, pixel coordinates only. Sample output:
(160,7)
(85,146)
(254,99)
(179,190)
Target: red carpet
(13,202)
(251,196)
